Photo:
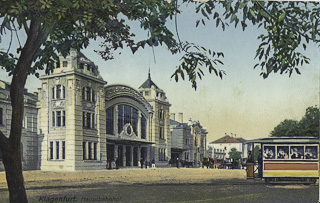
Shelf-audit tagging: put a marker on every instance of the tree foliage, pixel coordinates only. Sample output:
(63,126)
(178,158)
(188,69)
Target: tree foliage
(235,155)
(52,27)
(289,27)
(308,126)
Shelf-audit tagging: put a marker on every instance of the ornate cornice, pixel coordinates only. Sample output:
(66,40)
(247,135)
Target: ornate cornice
(120,90)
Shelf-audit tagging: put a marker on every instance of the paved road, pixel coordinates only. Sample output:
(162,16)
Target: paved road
(216,191)
(161,185)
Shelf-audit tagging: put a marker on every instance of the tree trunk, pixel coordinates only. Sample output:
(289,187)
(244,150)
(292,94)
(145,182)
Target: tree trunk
(11,147)
(13,167)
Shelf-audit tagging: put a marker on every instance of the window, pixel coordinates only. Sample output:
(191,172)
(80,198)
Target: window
(127,114)
(88,67)
(65,63)
(143,127)
(81,66)
(90,150)
(51,150)
(58,118)
(88,120)
(58,92)
(110,120)
(88,94)
(57,150)
(84,151)
(311,152)
(161,114)
(53,118)
(95,151)
(269,152)
(296,152)
(161,133)
(1,116)
(146,93)
(162,154)
(63,149)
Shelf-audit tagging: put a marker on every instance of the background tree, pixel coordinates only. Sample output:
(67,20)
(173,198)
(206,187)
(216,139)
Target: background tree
(54,26)
(308,126)
(287,128)
(235,156)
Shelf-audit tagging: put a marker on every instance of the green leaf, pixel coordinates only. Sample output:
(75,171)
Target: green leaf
(282,16)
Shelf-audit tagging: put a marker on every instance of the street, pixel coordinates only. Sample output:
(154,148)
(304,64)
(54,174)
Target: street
(211,189)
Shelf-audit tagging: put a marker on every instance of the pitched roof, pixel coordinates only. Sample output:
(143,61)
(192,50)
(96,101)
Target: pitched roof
(226,139)
(148,83)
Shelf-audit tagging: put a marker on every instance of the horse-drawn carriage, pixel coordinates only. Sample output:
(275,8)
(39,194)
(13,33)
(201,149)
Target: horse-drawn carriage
(208,162)
(186,163)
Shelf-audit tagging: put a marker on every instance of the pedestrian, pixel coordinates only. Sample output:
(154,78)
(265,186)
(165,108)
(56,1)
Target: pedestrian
(250,158)
(141,162)
(177,162)
(260,164)
(117,163)
(153,163)
(109,164)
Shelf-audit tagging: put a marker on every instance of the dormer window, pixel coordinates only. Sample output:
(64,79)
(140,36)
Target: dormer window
(146,93)
(65,63)
(88,94)
(58,92)
(81,66)
(88,67)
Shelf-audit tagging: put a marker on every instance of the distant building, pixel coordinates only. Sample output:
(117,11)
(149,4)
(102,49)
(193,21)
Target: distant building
(222,146)
(29,135)
(188,140)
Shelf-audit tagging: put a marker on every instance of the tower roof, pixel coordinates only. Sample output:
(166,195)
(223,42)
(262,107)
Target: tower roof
(148,83)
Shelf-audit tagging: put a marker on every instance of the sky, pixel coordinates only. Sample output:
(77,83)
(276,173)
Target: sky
(242,103)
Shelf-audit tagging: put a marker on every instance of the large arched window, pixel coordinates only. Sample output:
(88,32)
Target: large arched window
(58,92)
(127,114)
(110,121)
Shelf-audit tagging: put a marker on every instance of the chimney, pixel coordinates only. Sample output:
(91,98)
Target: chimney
(235,135)
(180,117)
(231,134)
(173,116)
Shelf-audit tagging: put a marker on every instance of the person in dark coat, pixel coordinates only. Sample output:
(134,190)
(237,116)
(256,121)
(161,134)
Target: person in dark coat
(250,158)
(117,163)
(260,164)
(141,162)
(177,162)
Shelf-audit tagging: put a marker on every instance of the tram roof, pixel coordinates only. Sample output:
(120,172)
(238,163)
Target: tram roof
(270,140)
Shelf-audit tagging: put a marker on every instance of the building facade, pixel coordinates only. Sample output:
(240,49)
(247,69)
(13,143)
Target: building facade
(160,129)
(222,146)
(29,135)
(72,116)
(77,122)
(188,140)
(128,125)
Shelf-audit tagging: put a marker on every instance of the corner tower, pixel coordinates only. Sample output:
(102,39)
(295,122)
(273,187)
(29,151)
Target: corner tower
(72,115)
(161,136)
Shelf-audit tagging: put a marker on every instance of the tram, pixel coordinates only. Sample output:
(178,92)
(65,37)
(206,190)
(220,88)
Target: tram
(289,158)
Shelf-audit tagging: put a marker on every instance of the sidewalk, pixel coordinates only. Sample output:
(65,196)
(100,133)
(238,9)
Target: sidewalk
(126,176)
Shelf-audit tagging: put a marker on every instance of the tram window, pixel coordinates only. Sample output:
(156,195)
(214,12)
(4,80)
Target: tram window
(283,152)
(296,152)
(268,152)
(311,152)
